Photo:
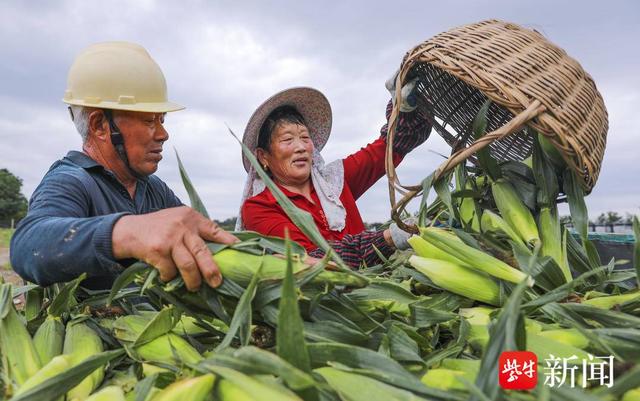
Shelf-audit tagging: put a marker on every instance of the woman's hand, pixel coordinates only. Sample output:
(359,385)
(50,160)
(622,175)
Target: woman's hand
(408,100)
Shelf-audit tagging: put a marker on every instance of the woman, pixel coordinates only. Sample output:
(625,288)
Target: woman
(287,133)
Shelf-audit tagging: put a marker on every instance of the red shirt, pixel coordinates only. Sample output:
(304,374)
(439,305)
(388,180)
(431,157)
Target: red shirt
(263,214)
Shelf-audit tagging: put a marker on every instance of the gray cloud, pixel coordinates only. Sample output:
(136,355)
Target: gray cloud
(222,59)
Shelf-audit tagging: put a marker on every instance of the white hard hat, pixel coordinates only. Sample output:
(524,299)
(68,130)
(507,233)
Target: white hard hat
(119,76)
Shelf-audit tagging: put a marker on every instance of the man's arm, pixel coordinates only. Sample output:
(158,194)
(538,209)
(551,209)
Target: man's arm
(56,242)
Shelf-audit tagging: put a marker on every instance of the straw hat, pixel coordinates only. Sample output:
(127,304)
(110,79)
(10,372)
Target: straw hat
(310,103)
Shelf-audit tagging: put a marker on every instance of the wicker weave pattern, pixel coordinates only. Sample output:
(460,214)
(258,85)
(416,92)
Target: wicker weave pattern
(512,66)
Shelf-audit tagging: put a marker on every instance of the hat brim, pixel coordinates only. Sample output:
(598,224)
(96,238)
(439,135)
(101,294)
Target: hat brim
(310,103)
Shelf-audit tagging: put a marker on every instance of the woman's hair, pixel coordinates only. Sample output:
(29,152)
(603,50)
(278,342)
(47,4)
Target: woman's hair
(282,114)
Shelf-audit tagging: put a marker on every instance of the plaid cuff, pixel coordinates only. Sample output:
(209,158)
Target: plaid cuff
(411,131)
(358,248)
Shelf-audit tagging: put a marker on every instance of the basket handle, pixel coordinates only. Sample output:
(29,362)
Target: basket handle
(532,111)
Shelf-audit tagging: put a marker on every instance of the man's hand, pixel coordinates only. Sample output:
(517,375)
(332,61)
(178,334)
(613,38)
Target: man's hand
(172,240)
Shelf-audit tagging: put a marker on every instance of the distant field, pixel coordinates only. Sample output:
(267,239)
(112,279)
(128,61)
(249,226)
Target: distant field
(5,237)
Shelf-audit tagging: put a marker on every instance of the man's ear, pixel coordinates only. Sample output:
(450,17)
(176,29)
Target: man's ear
(98,125)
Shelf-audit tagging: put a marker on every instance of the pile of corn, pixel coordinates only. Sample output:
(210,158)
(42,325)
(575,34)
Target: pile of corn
(491,270)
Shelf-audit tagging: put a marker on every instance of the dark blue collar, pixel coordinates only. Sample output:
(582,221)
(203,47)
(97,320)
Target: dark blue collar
(83,160)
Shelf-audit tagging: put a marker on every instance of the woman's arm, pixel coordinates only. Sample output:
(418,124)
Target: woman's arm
(353,249)
(365,167)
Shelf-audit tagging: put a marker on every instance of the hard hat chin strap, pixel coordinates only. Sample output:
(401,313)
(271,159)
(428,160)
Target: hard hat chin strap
(117,139)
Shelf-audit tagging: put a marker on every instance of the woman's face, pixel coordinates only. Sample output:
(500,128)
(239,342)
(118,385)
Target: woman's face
(290,154)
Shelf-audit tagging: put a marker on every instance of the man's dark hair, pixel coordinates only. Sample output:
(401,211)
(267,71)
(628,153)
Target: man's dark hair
(282,114)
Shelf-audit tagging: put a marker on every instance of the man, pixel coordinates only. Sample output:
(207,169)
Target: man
(102,208)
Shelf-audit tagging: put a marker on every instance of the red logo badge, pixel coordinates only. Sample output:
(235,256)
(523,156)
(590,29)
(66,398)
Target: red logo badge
(518,370)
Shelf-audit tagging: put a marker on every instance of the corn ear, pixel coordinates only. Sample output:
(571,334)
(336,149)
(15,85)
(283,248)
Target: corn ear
(545,348)
(49,338)
(193,389)
(446,379)
(228,391)
(631,395)
(465,365)
(514,211)
(353,386)
(551,152)
(241,266)
(168,348)
(425,249)
(475,258)
(15,342)
(57,365)
(109,393)
(80,343)
(458,279)
(610,301)
(492,223)
(552,239)
(570,337)
(468,210)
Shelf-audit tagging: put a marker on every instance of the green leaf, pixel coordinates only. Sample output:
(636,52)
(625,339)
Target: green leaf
(162,323)
(444,192)
(241,321)
(196,202)
(144,386)
(290,343)
(66,297)
(269,363)
(577,207)
(125,278)
(58,385)
(545,175)
(486,161)
(507,334)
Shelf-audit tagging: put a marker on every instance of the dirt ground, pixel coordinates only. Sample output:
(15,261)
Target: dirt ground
(8,275)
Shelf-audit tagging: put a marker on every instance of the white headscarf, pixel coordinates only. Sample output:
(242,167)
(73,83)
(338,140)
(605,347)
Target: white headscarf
(328,181)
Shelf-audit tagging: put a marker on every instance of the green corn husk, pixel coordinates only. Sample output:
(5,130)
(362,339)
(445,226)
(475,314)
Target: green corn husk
(447,379)
(551,152)
(228,391)
(475,258)
(552,241)
(544,347)
(567,336)
(458,279)
(109,393)
(15,342)
(610,301)
(492,223)
(33,303)
(463,365)
(58,364)
(192,389)
(49,339)
(631,395)
(168,348)
(514,211)
(241,266)
(80,343)
(425,249)
(468,211)
(355,387)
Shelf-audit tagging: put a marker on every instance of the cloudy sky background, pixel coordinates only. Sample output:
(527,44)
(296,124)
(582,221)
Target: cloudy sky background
(222,59)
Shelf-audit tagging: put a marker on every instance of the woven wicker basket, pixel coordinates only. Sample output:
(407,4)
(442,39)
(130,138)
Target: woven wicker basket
(530,82)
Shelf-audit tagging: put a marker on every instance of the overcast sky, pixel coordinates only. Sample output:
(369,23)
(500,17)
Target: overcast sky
(222,59)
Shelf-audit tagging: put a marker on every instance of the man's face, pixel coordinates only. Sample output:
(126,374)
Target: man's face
(144,135)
